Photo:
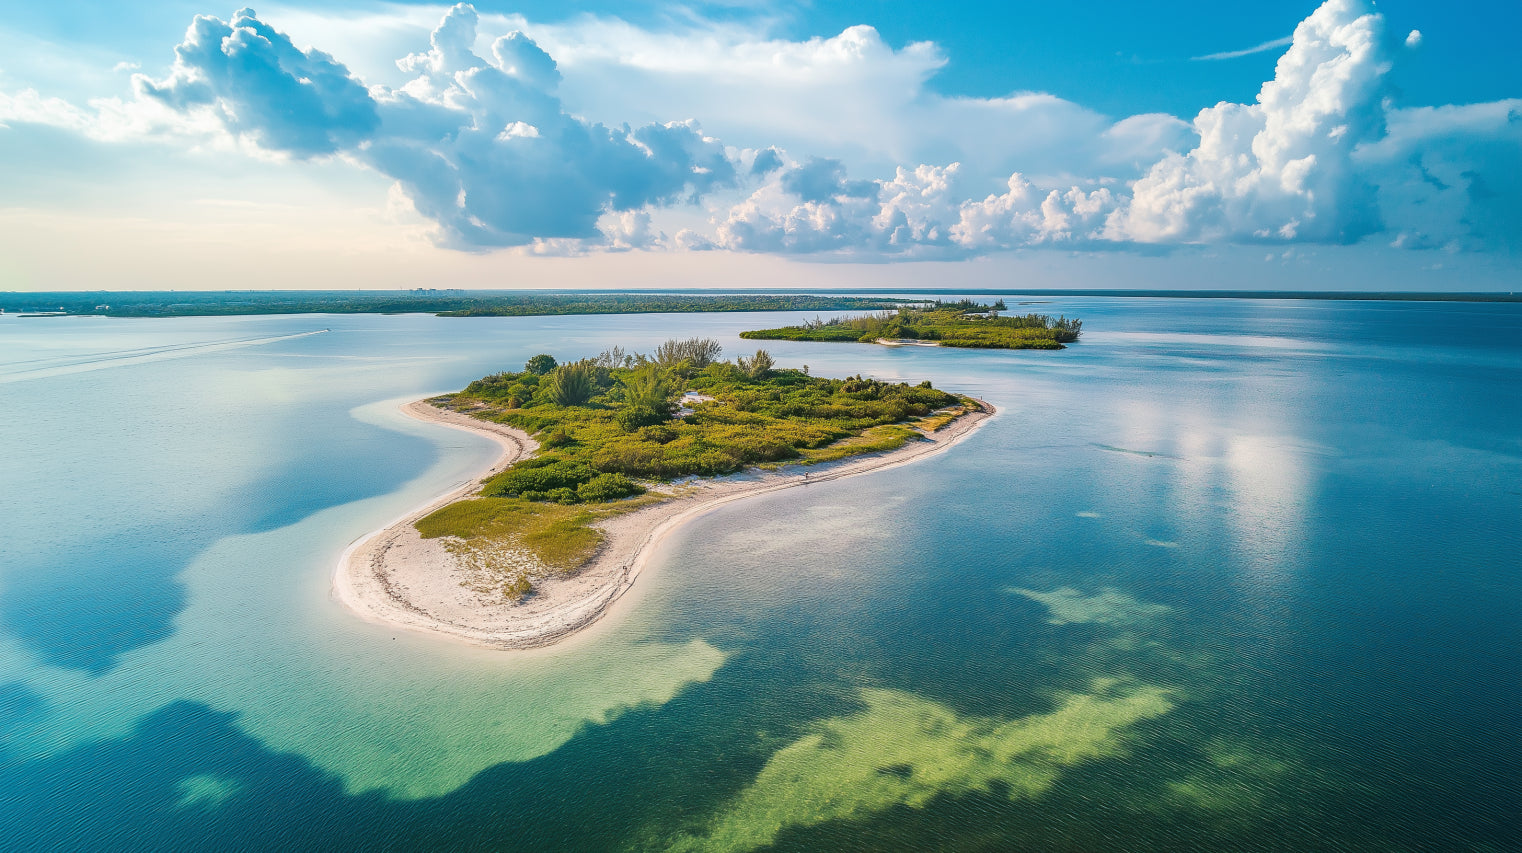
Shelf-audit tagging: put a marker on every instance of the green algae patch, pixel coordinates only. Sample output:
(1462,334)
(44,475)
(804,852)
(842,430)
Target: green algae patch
(1234,779)
(904,750)
(1110,606)
(205,791)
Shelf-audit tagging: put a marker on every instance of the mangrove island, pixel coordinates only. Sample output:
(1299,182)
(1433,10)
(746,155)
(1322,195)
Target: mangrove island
(949,324)
(603,457)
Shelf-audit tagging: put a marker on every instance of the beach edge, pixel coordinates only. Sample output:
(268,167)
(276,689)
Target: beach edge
(365,584)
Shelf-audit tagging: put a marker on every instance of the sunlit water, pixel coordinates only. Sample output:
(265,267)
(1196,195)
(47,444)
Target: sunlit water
(1227,576)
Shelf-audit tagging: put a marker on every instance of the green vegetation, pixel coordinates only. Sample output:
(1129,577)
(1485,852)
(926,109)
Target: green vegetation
(504,544)
(949,324)
(556,534)
(447,303)
(605,422)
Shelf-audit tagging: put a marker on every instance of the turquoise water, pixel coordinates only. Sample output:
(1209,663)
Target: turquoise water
(1228,576)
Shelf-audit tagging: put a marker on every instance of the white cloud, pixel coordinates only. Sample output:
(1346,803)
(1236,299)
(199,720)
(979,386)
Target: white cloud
(851,97)
(504,133)
(1272,44)
(1449,177)
(1279,169)
(482,148)
(630,229)
(112,119)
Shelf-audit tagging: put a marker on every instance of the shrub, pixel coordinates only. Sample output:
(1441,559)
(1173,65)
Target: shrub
(649,388)
(607,487)
(632,418)
(658,433)
(517,588)
(556,437)
(758,366)
(697,352)
(522,479)
(572,384)
(540,364)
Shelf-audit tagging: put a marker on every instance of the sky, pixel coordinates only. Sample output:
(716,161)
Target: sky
(1277,145)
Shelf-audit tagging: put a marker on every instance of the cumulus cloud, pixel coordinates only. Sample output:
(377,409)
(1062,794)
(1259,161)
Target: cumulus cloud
(495,147)
(1026,216)
(822,179)
(631,229)
(766,161)
(1279,169)
(1449,177)
(1321,156)
(919,213)
(851,97)
(482,148)
(262,85)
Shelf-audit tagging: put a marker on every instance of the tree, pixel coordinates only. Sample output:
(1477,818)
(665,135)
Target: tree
(757,366)
(650,388)
(540,364)
(571,384)
(699,352)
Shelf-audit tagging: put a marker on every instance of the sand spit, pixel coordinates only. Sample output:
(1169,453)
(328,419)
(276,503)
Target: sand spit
(396,577)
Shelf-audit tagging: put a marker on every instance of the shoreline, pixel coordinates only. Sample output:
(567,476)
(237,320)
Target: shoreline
(392,576)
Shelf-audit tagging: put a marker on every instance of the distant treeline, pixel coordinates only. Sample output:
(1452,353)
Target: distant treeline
(949,324)
(445,303)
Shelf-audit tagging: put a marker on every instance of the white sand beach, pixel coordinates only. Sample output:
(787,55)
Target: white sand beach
(394,576)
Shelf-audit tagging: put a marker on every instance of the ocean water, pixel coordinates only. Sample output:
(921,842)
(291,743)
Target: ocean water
(1229,575)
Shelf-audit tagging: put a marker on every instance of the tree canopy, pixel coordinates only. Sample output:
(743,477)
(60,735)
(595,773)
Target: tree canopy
(604,422)
(948,324)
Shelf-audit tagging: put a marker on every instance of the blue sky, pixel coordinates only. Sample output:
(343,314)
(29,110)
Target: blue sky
(1277,145)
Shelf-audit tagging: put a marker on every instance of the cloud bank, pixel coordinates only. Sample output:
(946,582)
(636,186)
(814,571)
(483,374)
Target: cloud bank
(481,147)
(481,144)
(1322,156)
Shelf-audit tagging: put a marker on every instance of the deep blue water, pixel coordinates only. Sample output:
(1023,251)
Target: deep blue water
(1229,575)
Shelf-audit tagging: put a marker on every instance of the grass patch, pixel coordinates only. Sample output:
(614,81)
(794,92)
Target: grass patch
(936,421)
(496,534)
(875,440)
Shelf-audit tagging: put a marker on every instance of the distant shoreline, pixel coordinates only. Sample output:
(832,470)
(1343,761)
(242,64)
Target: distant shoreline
(206,303)
(392,576)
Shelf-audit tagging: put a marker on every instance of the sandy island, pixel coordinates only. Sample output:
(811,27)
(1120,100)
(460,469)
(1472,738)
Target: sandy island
(394,576)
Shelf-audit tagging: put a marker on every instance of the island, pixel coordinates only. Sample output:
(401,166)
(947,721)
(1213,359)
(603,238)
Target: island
(948,324)
(602,458)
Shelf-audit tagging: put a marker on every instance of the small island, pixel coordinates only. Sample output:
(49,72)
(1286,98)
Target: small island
(605,456)
(963,324)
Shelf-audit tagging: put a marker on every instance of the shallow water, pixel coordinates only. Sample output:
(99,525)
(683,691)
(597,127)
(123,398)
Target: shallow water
(1229,575)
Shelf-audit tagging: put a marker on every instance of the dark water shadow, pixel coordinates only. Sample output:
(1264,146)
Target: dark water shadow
(82,603)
